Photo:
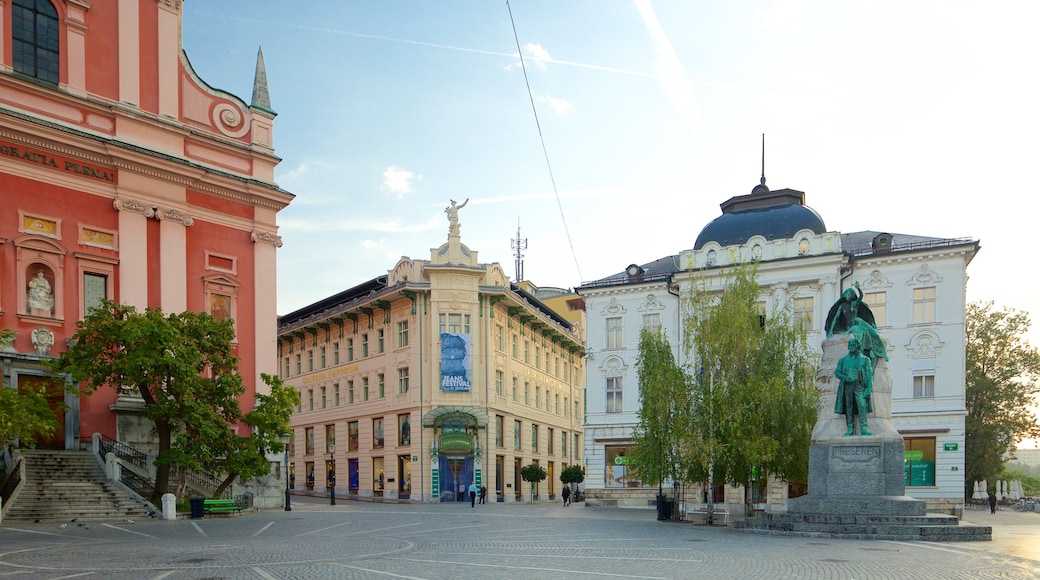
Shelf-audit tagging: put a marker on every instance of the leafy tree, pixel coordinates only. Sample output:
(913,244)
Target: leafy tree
(572,474)
(1001,371)
(532,473)
(753,401)
(184,367)
(665,403)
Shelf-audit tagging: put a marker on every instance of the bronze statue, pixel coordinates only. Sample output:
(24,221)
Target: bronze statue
(855,373)
(848,308)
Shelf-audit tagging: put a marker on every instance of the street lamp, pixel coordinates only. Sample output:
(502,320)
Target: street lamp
(332,474)
(286,437)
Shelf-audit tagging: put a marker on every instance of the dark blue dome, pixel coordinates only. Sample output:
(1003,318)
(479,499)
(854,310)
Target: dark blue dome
(745,217)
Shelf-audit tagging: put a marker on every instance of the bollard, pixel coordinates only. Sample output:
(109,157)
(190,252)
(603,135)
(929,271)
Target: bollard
(169,506)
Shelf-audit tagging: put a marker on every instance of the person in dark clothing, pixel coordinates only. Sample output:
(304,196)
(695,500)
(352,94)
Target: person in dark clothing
(992,504)
(483,494)
(566,496)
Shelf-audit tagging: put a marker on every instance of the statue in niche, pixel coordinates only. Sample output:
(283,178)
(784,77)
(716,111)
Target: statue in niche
(453,216)
(40,296)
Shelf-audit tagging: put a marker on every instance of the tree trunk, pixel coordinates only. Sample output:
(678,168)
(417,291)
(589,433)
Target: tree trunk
(225,484)
(162,471)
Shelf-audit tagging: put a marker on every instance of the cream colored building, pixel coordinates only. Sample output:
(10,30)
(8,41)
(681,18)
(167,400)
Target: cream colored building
(436,375)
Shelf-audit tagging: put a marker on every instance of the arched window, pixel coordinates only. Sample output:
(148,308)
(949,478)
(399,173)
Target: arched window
(35,39)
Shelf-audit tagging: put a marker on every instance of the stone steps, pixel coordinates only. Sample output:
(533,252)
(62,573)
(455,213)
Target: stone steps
(65,486)
(936,528)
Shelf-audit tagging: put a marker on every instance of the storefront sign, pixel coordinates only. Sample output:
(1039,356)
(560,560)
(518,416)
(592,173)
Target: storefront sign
(57,162)
(949,447)
(913,455)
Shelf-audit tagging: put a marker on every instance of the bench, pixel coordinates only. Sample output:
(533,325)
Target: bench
(720,510)
(221,505)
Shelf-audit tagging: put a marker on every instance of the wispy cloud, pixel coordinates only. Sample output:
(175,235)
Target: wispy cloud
(398,181)
(560,106)
(510,55)
(303,169)
(676,83)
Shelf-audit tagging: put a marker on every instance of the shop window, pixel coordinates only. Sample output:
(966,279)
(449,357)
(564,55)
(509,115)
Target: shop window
(378,477)
(617,472)
(919,462)
(309,440)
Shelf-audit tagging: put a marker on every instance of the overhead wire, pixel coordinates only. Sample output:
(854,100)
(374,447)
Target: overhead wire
(541,138)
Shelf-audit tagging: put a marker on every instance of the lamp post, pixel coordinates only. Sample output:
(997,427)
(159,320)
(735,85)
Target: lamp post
(332,474)
(285,439)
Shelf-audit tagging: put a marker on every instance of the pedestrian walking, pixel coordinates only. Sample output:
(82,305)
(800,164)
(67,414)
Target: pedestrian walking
(566,496)
(483,494)
(473,494)
(992,504)
(462,492)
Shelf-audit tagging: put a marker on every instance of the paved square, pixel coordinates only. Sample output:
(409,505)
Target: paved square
(457,542)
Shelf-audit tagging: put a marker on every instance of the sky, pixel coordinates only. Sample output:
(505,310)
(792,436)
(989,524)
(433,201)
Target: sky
(627,122)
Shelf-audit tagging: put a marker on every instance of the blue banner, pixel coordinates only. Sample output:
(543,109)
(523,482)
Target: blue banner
(456,363)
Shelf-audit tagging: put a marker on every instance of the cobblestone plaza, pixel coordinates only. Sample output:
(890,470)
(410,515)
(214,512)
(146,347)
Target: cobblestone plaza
(455,541)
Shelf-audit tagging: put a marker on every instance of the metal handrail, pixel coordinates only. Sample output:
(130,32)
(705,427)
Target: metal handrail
(142,485)
(201,480)
(11,483)
(944,243)
(123,451)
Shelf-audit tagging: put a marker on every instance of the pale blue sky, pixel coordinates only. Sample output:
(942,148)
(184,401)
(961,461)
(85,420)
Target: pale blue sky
(907,117)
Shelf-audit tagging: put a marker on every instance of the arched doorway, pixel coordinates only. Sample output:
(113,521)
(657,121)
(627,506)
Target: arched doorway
(456,447)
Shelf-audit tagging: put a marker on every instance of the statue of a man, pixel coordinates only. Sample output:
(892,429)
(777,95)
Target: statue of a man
(453,216)
(40,297)
(855,374)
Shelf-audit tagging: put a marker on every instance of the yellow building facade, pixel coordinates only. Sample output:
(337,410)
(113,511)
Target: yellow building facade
(440,374)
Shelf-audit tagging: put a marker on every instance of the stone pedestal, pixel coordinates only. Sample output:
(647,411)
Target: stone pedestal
(855,466)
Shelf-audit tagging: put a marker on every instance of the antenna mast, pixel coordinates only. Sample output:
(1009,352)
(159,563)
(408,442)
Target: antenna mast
(763,180)
(519,245)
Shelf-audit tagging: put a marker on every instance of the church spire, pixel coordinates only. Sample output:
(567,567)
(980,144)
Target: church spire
(261,98)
